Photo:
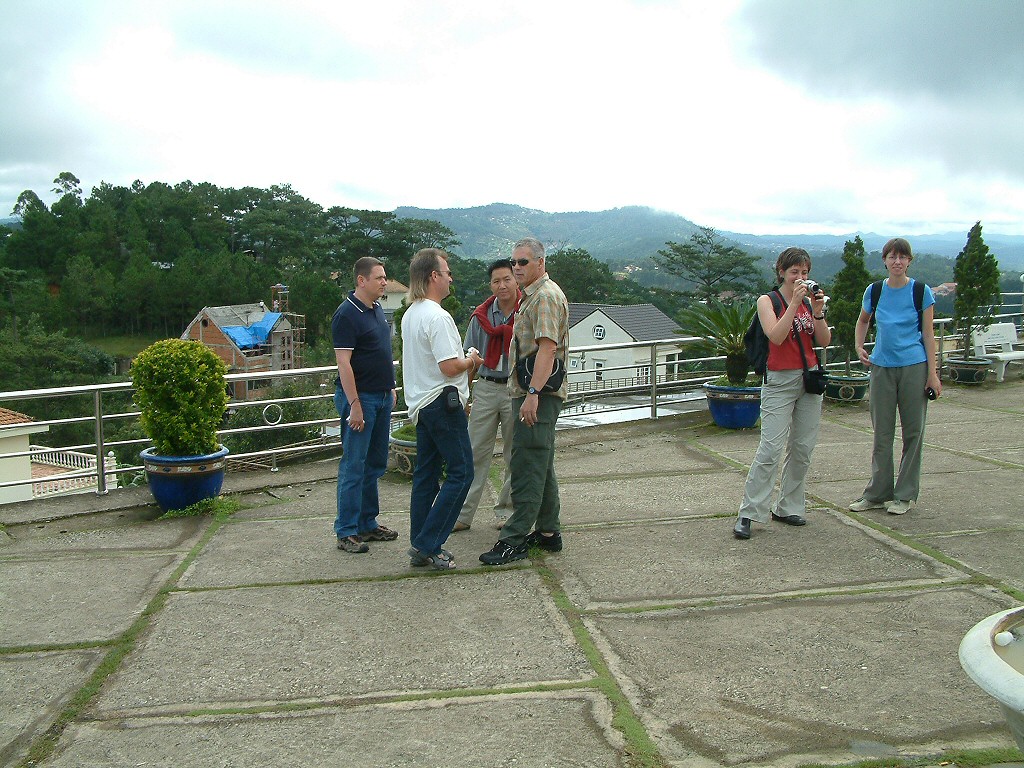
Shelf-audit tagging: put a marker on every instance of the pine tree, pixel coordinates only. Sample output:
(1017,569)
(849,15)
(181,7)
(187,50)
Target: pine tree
(846,296)
(976,273)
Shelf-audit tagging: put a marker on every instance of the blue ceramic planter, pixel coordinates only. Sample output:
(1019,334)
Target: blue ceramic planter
(177,482)
(734,407)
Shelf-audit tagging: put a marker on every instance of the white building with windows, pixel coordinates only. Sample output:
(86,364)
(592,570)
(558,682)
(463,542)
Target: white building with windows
(591,324)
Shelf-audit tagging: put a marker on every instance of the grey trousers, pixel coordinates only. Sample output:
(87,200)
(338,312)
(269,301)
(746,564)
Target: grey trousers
(892,390)
(789,423)
(492,409)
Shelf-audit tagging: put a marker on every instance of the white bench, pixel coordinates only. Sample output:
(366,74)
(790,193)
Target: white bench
(1002,336)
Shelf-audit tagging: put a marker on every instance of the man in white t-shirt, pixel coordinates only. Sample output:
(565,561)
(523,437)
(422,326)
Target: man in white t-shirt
(435,374)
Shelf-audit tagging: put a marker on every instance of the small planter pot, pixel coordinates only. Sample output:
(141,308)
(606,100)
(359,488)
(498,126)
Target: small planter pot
(847,389)
(403,454)
(177,482)
(734,407)
(973,371)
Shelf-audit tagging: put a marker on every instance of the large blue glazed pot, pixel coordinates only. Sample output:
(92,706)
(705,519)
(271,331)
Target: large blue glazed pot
(734,407)
(177,482)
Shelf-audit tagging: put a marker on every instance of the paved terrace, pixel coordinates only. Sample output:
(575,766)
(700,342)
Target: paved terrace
(655,638)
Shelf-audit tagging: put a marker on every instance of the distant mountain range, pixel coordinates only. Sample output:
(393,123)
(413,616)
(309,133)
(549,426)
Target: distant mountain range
(634,233)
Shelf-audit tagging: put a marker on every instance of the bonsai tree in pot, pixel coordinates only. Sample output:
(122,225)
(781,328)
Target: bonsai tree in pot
(846,294)
(181,392)
(721,328)
(976,273)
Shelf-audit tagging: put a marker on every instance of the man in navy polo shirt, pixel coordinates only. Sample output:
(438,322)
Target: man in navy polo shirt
(364,396)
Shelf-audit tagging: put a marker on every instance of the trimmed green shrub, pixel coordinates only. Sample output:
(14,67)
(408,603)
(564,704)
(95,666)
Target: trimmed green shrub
(182,393)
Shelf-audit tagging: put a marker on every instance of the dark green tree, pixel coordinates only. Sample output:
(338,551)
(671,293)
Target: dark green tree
(845,296)
(85,296)
(711,266)
(581,277)
(977,286)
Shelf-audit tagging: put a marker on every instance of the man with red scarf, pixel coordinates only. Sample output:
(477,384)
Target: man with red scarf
(490,331)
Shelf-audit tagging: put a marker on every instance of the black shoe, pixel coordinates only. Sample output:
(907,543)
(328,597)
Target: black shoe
(742,528)
(503,552)
(551,543)
(789,519)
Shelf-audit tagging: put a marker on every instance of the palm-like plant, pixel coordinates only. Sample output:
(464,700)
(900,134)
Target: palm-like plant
(721,328)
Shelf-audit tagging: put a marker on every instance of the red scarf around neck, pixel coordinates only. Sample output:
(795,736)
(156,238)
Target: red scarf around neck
(499,337)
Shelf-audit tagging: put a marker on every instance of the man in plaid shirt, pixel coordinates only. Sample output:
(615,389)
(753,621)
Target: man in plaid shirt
(541,327)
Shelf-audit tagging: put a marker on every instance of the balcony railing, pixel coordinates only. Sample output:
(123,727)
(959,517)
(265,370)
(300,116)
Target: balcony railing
(650,378)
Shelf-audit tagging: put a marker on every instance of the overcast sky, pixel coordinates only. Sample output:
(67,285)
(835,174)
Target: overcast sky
(782,116)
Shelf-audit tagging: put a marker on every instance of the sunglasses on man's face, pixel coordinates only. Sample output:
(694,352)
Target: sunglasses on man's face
(520,262)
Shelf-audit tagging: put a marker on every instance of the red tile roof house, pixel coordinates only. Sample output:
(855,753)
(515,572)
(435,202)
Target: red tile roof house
(16,430)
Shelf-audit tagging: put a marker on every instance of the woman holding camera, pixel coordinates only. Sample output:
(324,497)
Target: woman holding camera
(789,414)
(903,377)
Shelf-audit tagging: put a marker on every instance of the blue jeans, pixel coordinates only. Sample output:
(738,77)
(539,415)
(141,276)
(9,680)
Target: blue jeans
(363,462)
(441,436)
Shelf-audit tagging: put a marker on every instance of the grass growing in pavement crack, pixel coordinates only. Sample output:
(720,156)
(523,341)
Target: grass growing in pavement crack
(961,758)
(640,749)
(44,745)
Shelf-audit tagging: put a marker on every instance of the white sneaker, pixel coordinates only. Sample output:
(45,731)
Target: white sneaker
(863,505)
(897,507)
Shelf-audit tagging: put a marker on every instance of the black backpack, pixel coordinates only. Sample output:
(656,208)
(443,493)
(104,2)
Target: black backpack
(754,339)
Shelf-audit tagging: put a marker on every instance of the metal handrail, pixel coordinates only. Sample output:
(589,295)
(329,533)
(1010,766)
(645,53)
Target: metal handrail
(654,383)
(100,420)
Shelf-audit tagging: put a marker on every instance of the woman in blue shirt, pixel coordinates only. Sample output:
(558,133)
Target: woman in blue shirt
(903,371)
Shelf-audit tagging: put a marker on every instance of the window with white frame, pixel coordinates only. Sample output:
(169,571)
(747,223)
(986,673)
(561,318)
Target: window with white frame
(598,332)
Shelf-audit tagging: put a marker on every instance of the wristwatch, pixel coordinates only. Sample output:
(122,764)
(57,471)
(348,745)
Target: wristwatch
(532,391)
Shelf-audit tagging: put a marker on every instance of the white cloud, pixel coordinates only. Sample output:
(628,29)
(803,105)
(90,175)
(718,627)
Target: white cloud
(705,109)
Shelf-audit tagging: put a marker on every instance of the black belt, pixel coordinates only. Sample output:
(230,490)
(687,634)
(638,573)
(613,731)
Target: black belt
(495,379)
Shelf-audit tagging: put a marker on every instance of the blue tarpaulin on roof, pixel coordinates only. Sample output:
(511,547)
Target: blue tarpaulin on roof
(247,337)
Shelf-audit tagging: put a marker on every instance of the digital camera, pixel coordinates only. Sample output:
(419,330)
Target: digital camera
(812,287)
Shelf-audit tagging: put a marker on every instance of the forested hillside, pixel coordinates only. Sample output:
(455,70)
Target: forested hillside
(619,235)
(141,261)
(146,258)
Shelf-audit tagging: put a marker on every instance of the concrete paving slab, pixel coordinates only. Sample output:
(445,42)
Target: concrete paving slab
(995,553)
(297,549)
(798,681)
(665,454)
(566,728)
(317,499)
(843,461)
(954,502)
(978,436)
(613,499)
(284,644)
(987,397)
(75,536)
(1009,455)
(33,689)
(70,600)
(849,414)
(699,559)
(951,501)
